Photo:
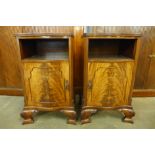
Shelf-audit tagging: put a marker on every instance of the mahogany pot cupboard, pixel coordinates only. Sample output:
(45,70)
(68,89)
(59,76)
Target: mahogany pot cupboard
(47,66)
(109,71)
(11,66)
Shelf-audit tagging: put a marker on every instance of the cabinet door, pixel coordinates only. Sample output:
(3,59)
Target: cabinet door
(109,83)
(47,84)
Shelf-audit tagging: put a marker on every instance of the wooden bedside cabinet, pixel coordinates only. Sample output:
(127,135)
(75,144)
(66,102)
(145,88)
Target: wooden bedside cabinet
(47,67)
(109,72)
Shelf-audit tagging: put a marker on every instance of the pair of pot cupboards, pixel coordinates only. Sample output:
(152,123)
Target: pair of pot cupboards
(109,70)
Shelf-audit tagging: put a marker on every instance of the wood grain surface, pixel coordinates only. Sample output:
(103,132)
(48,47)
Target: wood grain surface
(150,82)
(10,77)
(48,29)
(147,47)
(10,68)
(47,84)
(110,83)
(78,59)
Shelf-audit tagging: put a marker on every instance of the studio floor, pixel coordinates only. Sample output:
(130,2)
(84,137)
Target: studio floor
(11,106)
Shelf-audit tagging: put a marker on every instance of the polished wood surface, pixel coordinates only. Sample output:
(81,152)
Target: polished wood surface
(78,59)
(2,75)
(109,83)
(11,91)
(43,35)
(48,83)
(109,76)
(142,80)
(150,82)
(43,48)
(10,77)
(111,35)
(143,93)
(48,29)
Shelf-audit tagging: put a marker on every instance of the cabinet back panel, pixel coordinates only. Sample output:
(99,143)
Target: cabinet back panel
(43,46)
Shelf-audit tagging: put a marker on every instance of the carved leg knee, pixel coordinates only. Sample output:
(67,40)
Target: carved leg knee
(128,114)
(71,114)
(86,115)
(28,116)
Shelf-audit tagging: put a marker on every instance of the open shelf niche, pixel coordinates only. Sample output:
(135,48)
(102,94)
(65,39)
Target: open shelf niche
(111,49)
(44,49)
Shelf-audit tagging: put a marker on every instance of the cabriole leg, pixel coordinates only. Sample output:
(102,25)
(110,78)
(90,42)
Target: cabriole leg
(28,116)
(71,114)
(128,114)
(86,115)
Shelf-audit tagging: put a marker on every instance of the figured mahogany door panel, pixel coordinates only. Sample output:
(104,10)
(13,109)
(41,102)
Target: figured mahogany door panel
(47,84)
(109,83)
